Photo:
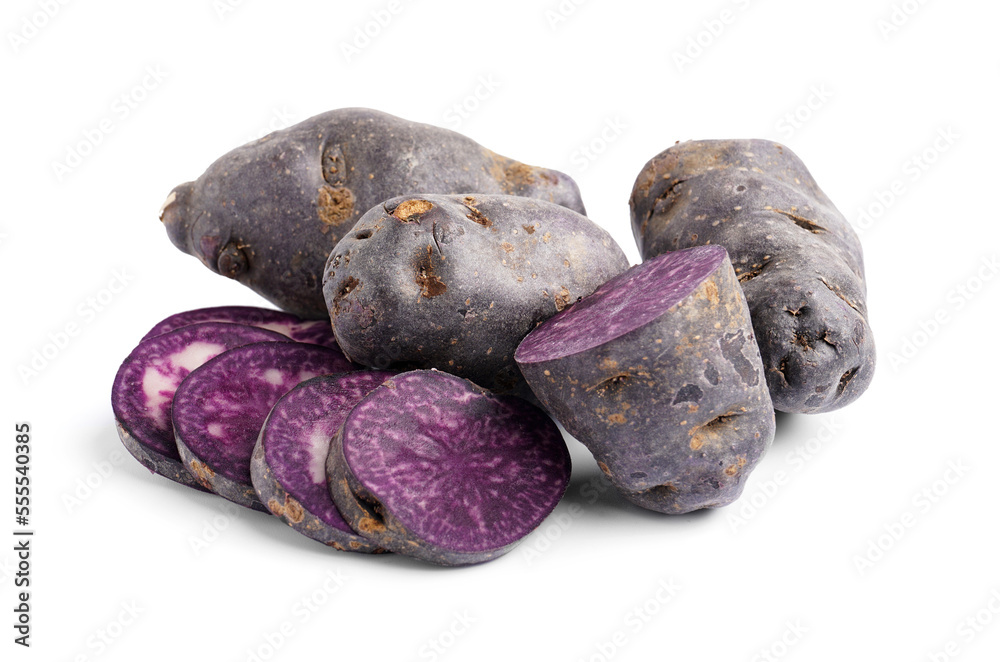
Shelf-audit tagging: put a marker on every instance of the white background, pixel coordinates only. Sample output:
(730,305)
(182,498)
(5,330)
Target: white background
(801,568)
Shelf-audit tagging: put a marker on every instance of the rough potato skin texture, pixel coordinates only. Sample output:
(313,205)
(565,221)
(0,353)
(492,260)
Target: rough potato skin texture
(284,506)
(455,282)
(798,258)
(676,412)
(268,213)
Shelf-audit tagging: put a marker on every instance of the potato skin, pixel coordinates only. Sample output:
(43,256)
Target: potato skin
(268,213)
(798,258)
(455,282)
(676,412)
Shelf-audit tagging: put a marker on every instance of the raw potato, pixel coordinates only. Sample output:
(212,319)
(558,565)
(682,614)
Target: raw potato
(220,407)
(797,257)
(288,466)
(143,391)
(316,332)
(268,213)
(455,282)
(657,373)
(432,466)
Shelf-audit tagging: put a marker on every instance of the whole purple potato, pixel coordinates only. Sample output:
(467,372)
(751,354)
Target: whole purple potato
(797,257)
(455,282)
(657,373)
(268,213)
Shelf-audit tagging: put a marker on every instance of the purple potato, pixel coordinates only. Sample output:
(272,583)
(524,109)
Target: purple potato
(288,466)
(797,257)
(433,466)
(455,282)
(316,332)
(144,387)
(220,407)
(268,213)
(658,374)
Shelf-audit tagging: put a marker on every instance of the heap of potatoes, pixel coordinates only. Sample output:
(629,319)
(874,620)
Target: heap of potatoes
(428,253)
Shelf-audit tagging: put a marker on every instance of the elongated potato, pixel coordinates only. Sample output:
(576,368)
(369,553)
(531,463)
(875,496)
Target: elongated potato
(798,258)
(268,213)
(455,282)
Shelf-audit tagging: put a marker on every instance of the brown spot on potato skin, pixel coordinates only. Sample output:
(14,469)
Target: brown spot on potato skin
(530,229)
(334,205)
(294,510)
(712,292)
(370,525)
(603,467)
(714,431)
(203,473)
(474,214)
(275,507)
(562,299)
(520,174)
(754,271)
(507,246)
(618,419)
(802,222)
(430,284)
(407,210)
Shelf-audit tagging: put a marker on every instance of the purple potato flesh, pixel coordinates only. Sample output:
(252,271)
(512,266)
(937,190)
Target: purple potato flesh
(268,213)
(432,466)
(316,332)
(797,257)
(289,462)
(143,390)
(220,408)
(658,374)
(454,283)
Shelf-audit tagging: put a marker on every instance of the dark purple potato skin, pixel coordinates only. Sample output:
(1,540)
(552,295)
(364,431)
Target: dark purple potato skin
(798,258)
(144,420)
(432,466)
(268,213)
(455,282)
(316,332)
(220,407)
(296,434)
(670,397)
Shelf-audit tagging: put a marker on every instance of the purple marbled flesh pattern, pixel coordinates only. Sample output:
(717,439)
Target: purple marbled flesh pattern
(316,332)
(623,304)
(220,408)
(144,387)
(462,469)
(298,431)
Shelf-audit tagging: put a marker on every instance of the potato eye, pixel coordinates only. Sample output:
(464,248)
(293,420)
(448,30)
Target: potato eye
(232,261)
